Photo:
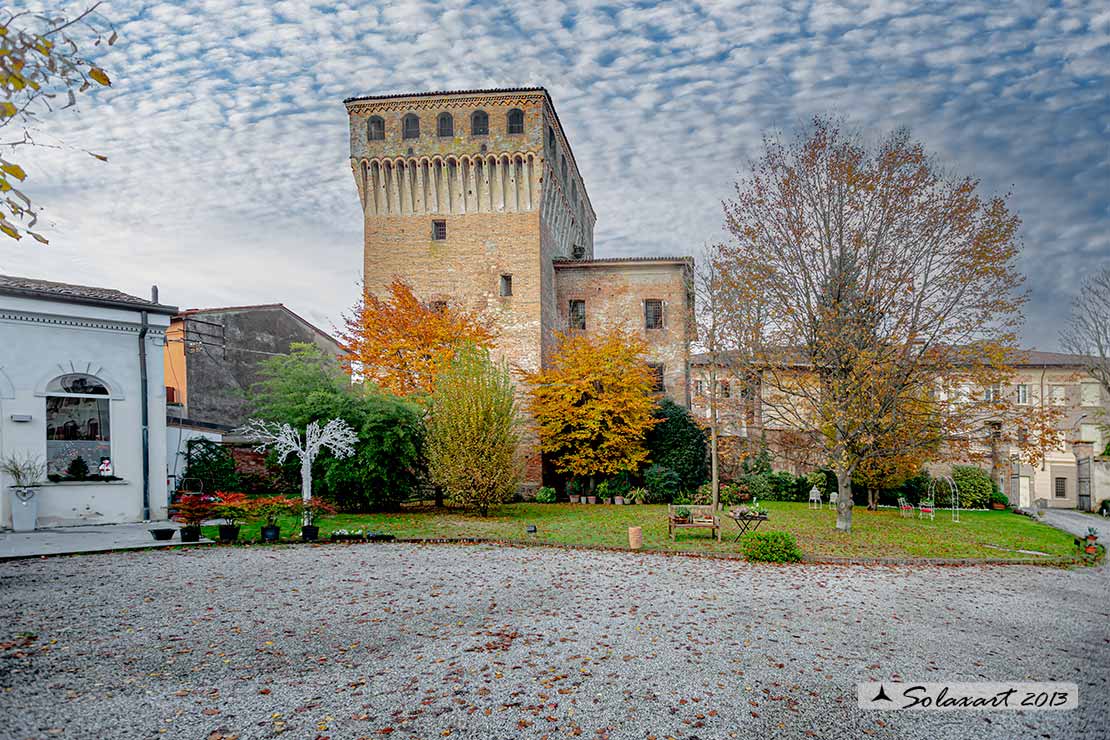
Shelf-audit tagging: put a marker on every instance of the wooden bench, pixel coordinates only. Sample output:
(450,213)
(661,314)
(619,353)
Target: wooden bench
(701,517)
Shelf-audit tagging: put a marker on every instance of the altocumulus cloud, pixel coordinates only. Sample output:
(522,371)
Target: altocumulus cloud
(228,180)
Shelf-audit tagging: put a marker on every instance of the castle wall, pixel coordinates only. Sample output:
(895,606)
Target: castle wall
(614,292)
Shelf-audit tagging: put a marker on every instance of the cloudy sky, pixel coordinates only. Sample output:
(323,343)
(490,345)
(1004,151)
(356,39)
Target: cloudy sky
(228,181)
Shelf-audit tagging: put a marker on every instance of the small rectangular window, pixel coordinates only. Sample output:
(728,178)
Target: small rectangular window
(576,315)
(1061,488)
(653,313)
(723,389)
(439,230)
(657,376)
(1089,394)
(994,393)
(1023,394)
(506,286)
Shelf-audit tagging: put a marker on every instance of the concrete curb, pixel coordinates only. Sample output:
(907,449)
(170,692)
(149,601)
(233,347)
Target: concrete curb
(101,551)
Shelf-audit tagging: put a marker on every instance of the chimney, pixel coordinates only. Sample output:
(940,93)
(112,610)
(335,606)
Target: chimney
(154,294)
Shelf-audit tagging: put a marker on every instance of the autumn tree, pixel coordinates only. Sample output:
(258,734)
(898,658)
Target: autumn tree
(402,344)
(43,67)
(887,280)
(594,404)
(730,320)
(1088,330)
(473,431)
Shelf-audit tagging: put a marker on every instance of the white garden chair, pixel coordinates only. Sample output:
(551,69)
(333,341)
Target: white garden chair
(926,509)
(815,498)
(834,497)
(905,508)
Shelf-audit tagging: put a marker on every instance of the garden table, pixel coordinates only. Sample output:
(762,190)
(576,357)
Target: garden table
(747,522)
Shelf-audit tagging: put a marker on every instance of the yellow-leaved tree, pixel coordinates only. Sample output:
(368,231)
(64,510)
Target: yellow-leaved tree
(42,69)
(594,404)
(402,344)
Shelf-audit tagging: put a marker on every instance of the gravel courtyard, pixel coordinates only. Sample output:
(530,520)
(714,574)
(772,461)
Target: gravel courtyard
(480,642)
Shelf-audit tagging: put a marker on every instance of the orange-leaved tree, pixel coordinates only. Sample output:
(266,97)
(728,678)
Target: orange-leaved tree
(594,404)
(402,344)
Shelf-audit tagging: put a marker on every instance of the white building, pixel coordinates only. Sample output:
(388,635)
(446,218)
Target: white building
(81,376)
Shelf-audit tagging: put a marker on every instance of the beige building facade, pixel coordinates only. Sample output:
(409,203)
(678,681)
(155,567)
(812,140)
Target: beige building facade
(474,198)
(1071,475)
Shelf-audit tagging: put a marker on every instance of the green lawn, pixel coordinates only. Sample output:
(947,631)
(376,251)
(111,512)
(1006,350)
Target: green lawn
(874,534)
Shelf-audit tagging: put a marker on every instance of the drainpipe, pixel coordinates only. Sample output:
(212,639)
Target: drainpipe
(144,326)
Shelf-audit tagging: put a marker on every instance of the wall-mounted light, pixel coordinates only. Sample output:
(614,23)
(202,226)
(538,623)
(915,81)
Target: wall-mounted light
(20,418)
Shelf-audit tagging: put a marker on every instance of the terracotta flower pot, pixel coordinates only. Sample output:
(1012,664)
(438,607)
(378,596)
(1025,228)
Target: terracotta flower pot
(574,499)
(591,499)
(618,500)
(1091,549)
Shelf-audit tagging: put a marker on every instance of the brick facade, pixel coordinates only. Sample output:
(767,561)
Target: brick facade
(513,204)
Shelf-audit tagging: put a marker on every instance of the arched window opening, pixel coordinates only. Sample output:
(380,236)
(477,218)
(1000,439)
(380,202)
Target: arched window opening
(479,123)
(563,168)
(551,139)
(78,432)
(445,125)
(515,121)
(410,126)
(375,128)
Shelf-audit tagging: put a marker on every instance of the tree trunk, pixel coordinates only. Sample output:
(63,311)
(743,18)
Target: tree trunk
(844,502)
(872,499)
(713,464)
(306,484)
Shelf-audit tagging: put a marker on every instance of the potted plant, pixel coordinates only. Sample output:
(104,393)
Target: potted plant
(999,500)
(638,495)
(682,514)
(268,509)
(192,510)
(26,471)
(574,490)
(233,508)
(310,511)
(602,491)
(1092,535)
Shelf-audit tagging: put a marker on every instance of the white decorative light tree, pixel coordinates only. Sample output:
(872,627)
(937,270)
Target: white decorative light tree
(337,435)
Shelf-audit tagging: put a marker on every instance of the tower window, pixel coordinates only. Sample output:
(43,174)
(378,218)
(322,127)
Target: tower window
(514,121)
(479,123)
(445,125)
(563,168)
(656,369)
(410,126)
(653,313)
(375,128)
(576,314)
(551,138)
(439,230)
(578,251)
(506,286)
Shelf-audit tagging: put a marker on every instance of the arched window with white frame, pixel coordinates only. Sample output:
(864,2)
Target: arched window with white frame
(78,424)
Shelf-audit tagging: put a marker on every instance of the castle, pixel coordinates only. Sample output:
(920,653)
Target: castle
(474,198)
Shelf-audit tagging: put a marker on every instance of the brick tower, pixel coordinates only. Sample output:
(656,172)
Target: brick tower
(472,197)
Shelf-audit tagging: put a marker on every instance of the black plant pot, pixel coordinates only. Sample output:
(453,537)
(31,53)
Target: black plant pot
(163,534)
(229,533)
(310,532)
(271,533)
(190,534)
